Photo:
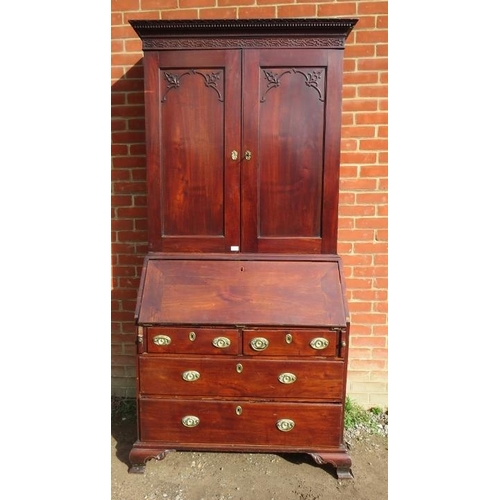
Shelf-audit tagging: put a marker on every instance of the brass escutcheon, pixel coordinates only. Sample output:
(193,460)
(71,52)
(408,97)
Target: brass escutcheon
(285,424)
(162,340)
(287,378)
(221,342)
(319,343)
(192,336)
(288,338)
(190,375)
(190,421)
(234,155)
(239,367)
(239,410)
(259,343)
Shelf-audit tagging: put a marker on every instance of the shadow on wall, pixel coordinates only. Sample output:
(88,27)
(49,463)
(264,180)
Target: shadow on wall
(128,222)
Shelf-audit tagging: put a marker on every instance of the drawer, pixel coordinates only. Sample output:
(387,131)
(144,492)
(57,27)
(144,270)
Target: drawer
(283,425)
(286,342)
(241,377)
(172,340)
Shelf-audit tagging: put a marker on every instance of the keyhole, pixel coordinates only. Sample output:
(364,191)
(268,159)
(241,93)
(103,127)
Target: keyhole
(242,269)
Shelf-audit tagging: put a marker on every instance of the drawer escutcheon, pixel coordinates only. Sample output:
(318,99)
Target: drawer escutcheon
(190,421)
(190,375)
(259,343)
(162,340)
(287,378)
(319,343)
(221,342)
(285,424)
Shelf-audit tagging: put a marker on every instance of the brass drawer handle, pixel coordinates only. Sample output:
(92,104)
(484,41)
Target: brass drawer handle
(162,340)
(190,375)
(259,343)
(285,424)
(287,378)
(221,342)
(319,343)
(190,421)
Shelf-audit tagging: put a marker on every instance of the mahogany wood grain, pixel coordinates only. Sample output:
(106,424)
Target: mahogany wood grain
(290,185)
(258,378)
(291,342)
(242,293)
(161,420)
(193,187)
(182,341)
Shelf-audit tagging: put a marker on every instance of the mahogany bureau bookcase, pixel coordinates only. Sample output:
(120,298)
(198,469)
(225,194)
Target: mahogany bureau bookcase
(242,318)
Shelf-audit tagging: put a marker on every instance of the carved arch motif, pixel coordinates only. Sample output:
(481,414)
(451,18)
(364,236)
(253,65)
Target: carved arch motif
(311,80)
(210,80)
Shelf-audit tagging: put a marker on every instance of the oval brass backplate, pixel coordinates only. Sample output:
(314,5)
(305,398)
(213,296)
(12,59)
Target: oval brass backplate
(287,378)
(190,421)
(285,424)
(162,340)
(221,342)
(259,343)
(190,375)
(319,343)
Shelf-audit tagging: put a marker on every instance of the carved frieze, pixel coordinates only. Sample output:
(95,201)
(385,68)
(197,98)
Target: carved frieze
(237,43)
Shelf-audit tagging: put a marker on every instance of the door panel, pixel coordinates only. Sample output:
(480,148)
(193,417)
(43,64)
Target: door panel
(291,103)
(196,191)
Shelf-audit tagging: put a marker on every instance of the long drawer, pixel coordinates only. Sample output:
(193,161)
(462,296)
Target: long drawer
(235,376)
(191,422)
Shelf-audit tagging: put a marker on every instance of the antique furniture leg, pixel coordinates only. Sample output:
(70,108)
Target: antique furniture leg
(340,461)
(139,456)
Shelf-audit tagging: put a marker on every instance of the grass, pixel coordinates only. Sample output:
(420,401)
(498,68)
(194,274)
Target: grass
(357,417)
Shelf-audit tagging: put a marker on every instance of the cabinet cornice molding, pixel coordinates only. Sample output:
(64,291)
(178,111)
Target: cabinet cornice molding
(243,33)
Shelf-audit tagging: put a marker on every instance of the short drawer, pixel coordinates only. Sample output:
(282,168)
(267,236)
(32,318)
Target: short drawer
(171,340)
(283,425)
(291,342)
(194,376)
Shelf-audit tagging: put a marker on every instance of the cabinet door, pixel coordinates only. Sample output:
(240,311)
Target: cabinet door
(291,127)
(193,105)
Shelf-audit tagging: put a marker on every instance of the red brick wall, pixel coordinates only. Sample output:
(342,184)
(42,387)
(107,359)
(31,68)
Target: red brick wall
(363,198)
